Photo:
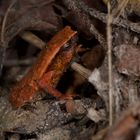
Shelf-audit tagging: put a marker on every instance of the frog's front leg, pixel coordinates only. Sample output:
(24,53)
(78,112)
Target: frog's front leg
(47,81)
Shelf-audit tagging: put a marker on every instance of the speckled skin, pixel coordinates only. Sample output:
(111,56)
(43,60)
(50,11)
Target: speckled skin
(26,89)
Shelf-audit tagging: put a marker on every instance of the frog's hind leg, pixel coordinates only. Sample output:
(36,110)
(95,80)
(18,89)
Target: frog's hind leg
(46,83)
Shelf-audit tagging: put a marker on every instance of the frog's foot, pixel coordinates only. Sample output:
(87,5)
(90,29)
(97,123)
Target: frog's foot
(67,97)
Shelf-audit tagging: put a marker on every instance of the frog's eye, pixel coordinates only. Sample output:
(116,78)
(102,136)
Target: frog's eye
(66,45)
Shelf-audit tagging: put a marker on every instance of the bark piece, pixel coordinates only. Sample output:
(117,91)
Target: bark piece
(37,117)
(126,126)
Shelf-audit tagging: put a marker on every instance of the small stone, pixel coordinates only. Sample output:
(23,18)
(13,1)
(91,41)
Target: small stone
(128,60)
(75,107)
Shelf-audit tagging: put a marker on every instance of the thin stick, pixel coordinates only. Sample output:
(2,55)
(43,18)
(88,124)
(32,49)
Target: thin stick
(33,39)
(117,12)
(2,36)
(4,22)
(28,61)
(74,6)
(81,70)
(109,43)
(102,16)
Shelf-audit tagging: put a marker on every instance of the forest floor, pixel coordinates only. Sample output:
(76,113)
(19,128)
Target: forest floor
(86,53)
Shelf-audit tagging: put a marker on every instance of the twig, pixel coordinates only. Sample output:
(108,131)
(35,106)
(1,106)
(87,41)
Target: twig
(116,12)
(109,43)
(102,16)
(9,63)
(74,6)
(5,20)
(98,36)
(33,39)
(2,36)
(39,5)
(29,8)
(81,70)
(25,20)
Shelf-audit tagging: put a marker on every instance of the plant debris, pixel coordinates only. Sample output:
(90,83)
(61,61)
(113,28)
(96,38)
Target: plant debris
(55,69)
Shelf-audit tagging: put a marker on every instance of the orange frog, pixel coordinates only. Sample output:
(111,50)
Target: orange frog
(47,70)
